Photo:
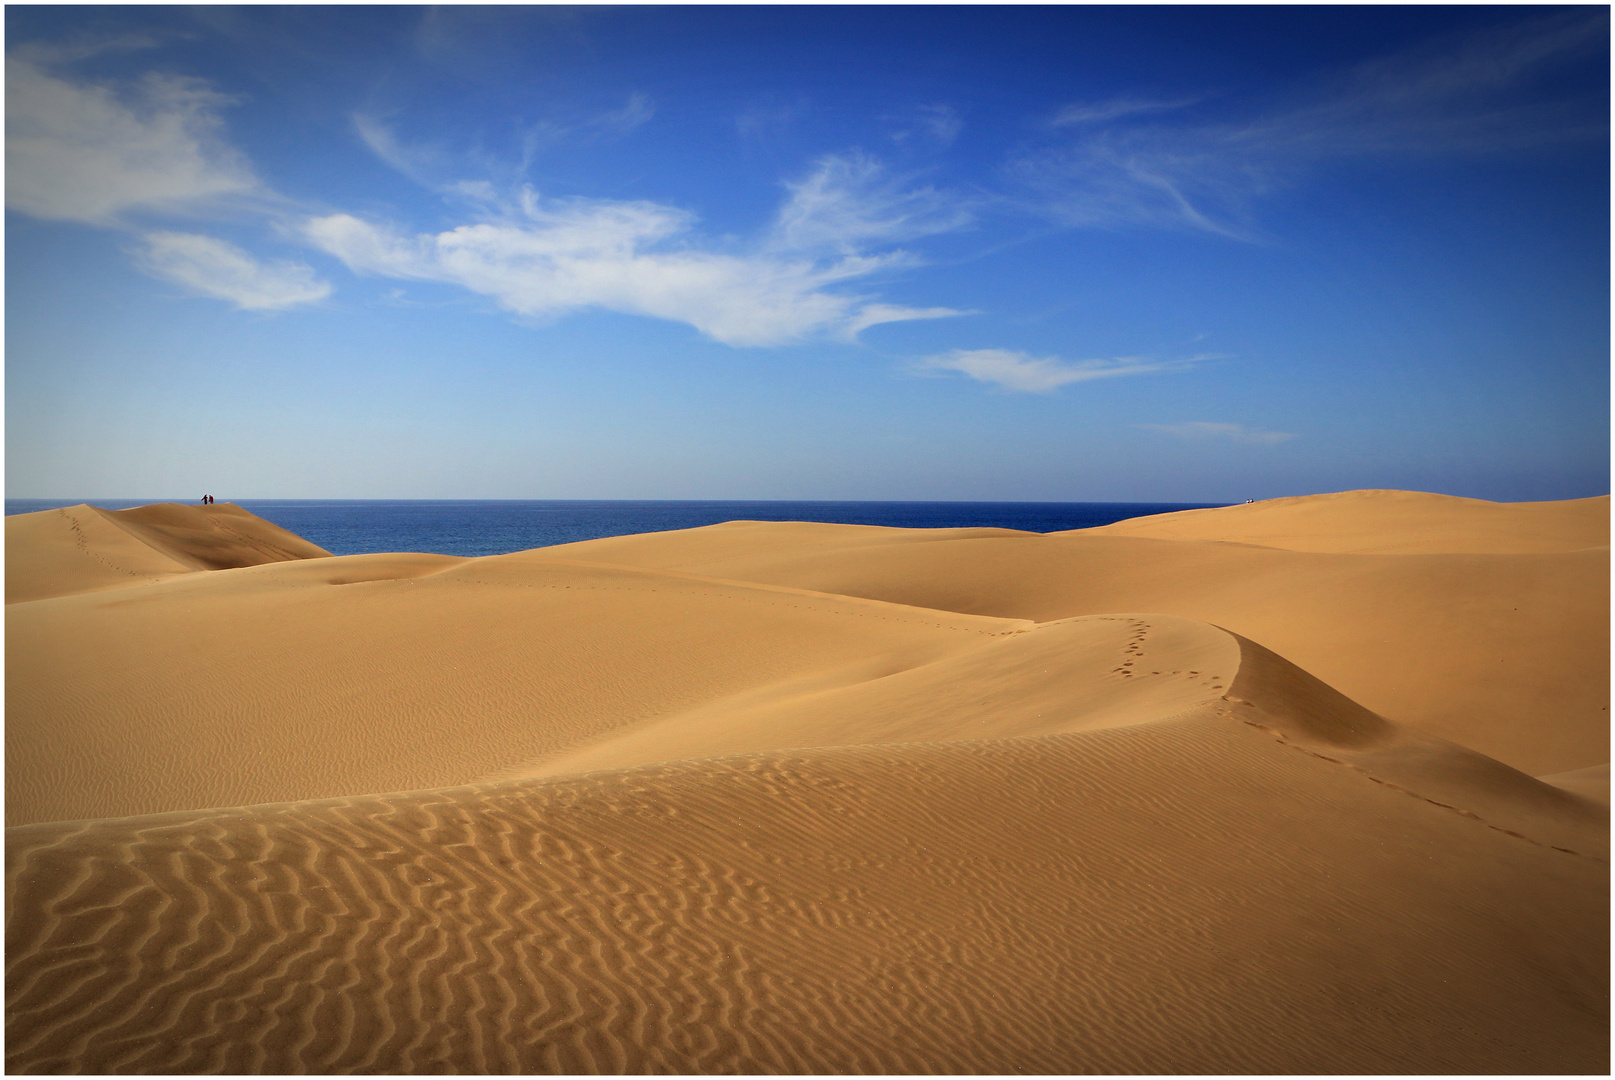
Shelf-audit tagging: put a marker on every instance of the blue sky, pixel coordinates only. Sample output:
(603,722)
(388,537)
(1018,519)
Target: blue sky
(1047,253)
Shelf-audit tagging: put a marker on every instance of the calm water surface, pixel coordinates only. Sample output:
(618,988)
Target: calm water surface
(495,527)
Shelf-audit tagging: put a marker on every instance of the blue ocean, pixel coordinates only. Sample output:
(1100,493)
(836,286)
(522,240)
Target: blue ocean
(495,527)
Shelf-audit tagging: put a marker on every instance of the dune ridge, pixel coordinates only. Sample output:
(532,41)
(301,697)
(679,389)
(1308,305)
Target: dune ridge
(1489,649)
(1386,523)
(84,548)
(800,798)
(381,673)
(218,536)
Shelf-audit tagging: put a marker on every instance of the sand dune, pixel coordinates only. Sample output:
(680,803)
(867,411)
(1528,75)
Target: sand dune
(384,673)
(1053,678)
(802,798)
(1202,893)
(1387,523)
(1500,652)
(84,548)
(1590,783)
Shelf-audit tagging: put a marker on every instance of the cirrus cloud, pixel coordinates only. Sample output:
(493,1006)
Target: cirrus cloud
(1100,112)
(1023,373)
(849,201)
(211,267)
(1134,162)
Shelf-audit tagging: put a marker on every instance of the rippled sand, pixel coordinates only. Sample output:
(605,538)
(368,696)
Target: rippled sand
(1197,793)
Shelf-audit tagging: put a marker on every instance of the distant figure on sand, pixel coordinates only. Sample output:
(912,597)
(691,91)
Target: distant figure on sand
(207,500)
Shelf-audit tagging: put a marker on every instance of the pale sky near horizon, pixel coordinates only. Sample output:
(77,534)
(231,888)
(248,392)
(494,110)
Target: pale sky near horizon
(983,253)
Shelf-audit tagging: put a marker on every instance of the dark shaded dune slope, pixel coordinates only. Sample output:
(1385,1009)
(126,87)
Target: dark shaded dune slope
(217,537)
(83,548)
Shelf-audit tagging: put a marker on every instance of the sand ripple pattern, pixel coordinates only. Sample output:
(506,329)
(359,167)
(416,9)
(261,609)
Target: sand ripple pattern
(1039,904)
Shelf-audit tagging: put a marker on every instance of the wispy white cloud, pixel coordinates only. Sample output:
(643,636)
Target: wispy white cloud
(211,267)
(101,153)
(540,136)
(1111,181)
(1125,166)
(549,257)
(1018,371)
(85,46)
(78,151)
(636,111)
(1239,433)
(850,202)
(417,161)
(936,124)
(538,257)
(875,314)
(440,164)
(1076,115)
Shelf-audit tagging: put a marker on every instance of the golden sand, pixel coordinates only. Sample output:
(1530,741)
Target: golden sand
(1315,785)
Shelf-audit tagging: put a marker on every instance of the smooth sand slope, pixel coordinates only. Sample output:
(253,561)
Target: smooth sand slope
(412,813)
(1388,523)
(389,672)
(1504,652)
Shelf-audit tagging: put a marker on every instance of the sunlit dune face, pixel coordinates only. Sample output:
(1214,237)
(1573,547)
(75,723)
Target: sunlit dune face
(794,797)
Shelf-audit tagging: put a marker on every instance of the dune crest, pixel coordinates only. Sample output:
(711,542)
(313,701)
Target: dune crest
(219,536)
(1493,651)
(85,549)
(328,677)
(1306,714)
(1591,783)
(1053,678)
(1386,522)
